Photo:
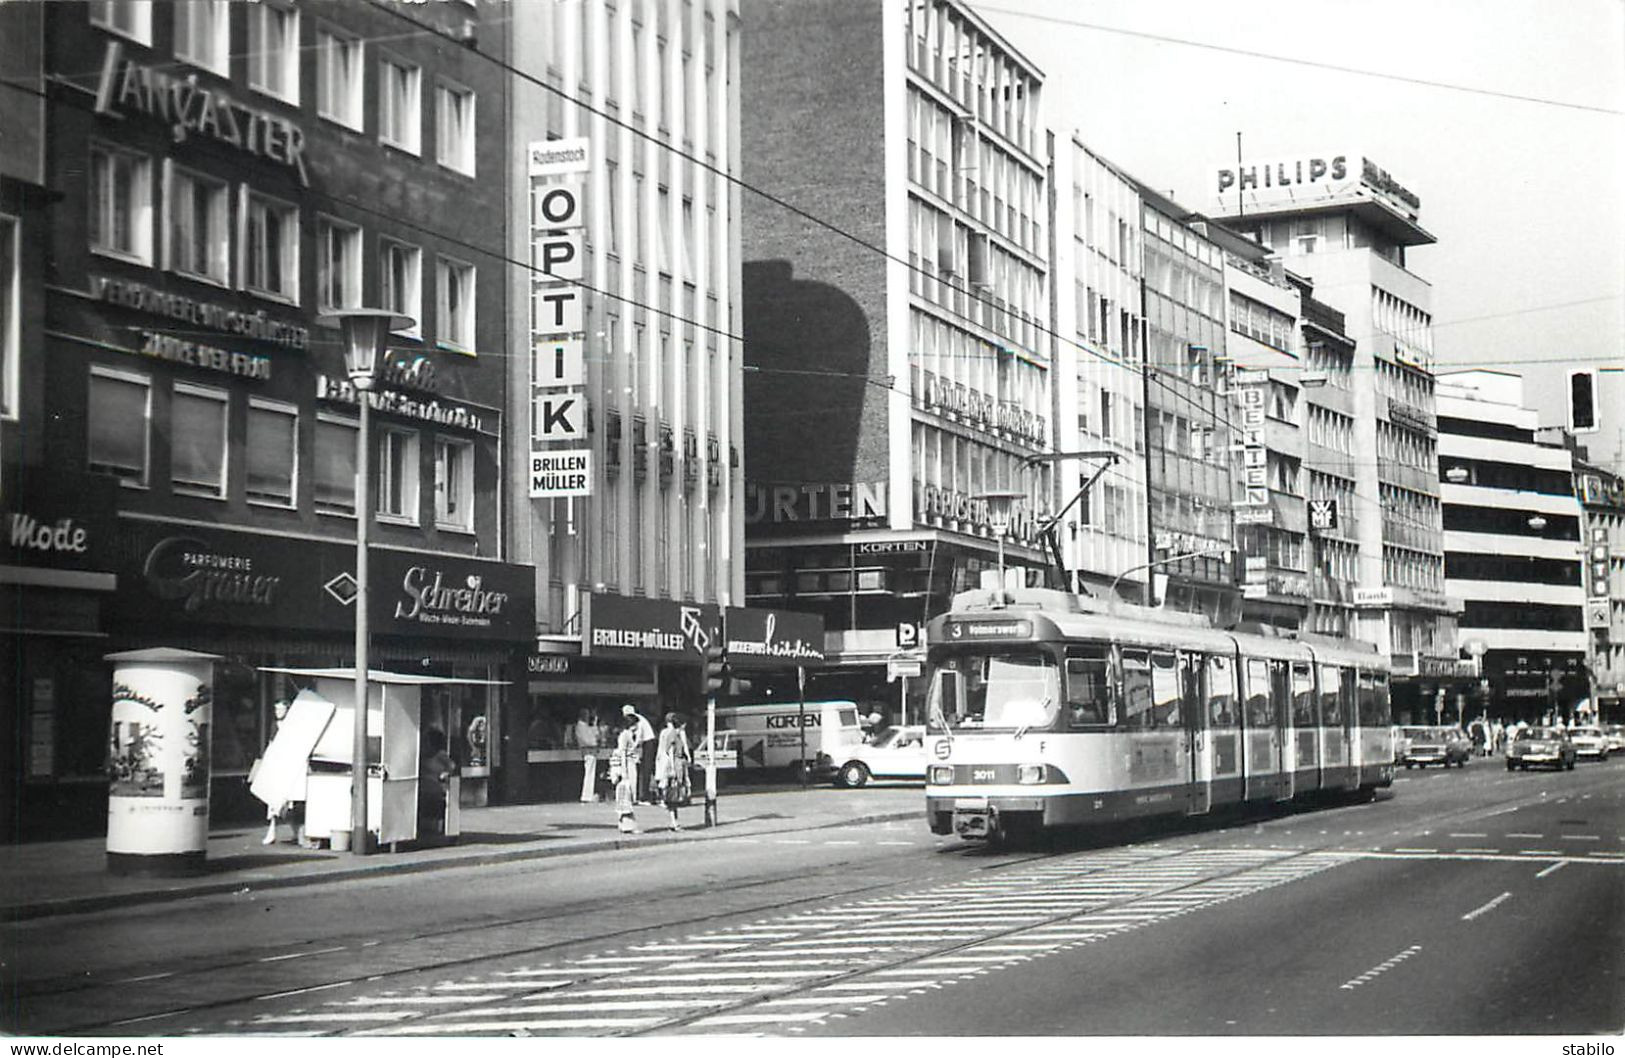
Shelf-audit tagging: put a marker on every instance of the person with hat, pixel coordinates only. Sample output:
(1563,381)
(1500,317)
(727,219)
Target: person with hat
(647,745)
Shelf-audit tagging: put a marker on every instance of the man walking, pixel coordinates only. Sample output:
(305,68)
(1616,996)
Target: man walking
(647,744)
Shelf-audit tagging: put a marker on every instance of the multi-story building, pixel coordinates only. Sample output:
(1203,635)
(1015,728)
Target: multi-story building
(1345,224)
(1099,370)
(1602,532)
(1512,546)
(625,340)
(219,177)
(895,314)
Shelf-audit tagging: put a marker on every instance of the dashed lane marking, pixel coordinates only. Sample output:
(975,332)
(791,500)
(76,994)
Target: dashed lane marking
(1486,908)
(1381,968)
(1559,865)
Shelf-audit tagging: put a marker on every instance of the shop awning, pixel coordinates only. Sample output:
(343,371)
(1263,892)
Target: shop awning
(381,676)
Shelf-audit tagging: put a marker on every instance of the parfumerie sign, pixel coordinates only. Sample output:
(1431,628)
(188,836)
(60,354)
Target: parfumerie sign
(192,108)
(560,461)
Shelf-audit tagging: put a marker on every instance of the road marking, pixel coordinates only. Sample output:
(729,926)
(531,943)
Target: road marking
(299,954)
(1469,916)
(1516,834)
(1556,866)
(1415,850)
(1539,852)
(580,1008)
(1578,837)
(909,843)
(302,991)
(791,841)
(808,1001)
(475,986)
(329,1017)
(1381,968)
(465,1027)
(1492,852)
(760,1019)
(843,843)
(1468,835)
(370,1001)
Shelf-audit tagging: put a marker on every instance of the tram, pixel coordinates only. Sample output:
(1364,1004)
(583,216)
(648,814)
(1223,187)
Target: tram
(1047,710)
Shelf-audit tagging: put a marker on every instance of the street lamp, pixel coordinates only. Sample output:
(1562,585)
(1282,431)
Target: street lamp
(365,331)
(1000,503)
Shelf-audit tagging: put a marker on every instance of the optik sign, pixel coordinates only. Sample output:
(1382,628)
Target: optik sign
(560,458)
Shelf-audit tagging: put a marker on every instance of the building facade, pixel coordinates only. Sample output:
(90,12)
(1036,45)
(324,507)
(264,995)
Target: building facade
(1602,528)
(898,368)
(1512,540)
(220,178)
(1345,224)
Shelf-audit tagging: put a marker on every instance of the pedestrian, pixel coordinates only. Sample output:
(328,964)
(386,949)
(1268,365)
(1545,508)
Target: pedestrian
(1498,736)
(672,763)
(275,813)
(647,746)
(623,770)
(1478,737)
(435,769)
(587,741)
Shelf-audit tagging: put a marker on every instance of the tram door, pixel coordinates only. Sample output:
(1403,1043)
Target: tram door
(1263,738)
(1281,691)
(1193,681)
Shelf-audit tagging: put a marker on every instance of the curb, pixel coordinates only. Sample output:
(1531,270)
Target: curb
(104,901)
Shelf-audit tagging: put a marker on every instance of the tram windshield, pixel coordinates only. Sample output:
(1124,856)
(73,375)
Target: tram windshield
(1017,689)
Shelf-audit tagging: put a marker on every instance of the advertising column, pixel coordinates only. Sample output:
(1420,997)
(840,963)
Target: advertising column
(158,761)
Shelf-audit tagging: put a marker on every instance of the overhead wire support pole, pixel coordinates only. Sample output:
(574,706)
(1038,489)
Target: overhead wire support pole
(1047,530)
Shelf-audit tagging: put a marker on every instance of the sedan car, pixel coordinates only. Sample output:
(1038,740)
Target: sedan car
(1615,734)
(1434,745)
(1545,746)
(1589,742)
(897,753)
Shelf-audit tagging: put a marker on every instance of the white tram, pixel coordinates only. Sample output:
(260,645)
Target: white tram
(1041,714)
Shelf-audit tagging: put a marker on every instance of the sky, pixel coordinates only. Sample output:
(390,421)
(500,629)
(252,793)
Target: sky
(1520,165)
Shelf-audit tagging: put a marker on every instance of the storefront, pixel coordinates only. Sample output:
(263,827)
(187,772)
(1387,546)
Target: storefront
(56,581)
(261,601)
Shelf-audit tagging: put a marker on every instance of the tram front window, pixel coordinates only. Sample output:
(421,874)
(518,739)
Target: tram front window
(1013,689)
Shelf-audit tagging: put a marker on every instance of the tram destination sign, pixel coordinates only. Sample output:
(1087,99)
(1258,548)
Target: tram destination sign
(989,629)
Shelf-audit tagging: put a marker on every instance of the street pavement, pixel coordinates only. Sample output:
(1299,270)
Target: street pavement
(45,878)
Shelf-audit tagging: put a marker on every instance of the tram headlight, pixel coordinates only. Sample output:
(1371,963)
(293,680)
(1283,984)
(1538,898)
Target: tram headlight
(942,775)
(1030,774)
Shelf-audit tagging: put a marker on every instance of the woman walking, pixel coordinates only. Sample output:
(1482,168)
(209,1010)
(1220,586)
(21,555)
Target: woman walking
(623,769)
(672,762)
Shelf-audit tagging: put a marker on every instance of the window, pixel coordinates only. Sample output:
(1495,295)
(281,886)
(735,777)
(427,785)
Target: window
(454,128)
(1260,704)
(338,264)
(339,76)
(1088,691)
(399,118)
(128,18)
(270,247)
(398,475)
(198,239)
(400,282)
(273,452)
(453,484)
(335,465)
(454,286)
(197,431)
(121,204)
(119,411)
(202,32)
(273,50)
(10,307)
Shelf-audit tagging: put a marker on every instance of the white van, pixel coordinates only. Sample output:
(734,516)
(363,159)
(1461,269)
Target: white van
(769,736)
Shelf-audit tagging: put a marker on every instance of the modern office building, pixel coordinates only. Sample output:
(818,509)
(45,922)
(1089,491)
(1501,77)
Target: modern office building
(1345,224)
(208,181)
(1512,546)
(896,317)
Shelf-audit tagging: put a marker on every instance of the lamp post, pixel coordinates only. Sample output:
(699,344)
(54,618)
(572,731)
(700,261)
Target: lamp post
(1000,503)
(365,331)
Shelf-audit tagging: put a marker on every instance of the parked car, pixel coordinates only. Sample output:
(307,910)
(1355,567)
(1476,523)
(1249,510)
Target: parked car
(896,753)
(1589,742)
(1434,745)
(1615,734)
(1546,746)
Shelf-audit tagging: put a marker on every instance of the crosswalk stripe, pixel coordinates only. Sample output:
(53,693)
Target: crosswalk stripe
(577,1008)
(329,1017)
(368,1001)
(462,1028)
(759,1019)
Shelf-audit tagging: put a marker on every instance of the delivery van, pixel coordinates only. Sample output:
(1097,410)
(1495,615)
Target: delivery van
(768,736)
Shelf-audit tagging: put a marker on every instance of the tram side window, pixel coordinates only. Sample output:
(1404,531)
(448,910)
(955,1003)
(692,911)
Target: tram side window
(1260,706)
(1374,710)
(1137,697)
(1348,697)
(1331,708)
(1088,692)
(1303,695)
(1164,691)
(1221,693)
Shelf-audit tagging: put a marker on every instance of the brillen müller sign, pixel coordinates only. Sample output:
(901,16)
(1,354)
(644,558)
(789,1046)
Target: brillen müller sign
(560,457)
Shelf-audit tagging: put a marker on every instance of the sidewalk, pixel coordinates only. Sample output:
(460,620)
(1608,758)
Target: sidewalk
(45,878)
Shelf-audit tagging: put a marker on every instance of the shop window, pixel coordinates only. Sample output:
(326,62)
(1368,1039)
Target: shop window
(454,128)
(400,119)
(273,50)
(127,18)
(197,235)
(197,446)
(334,465)
(272,452)
(339,78)
(401,282)
(338,264)
(202,34)
(454,292)
(398,476)
(120,414)
(453,484)
(270,247)
(121,204)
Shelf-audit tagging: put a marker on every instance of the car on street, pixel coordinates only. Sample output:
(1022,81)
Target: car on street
(1544,746)
(1435,745)
(1615,734)
(1589,742)
(896,753)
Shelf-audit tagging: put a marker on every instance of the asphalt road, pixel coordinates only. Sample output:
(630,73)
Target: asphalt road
(1470,901)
